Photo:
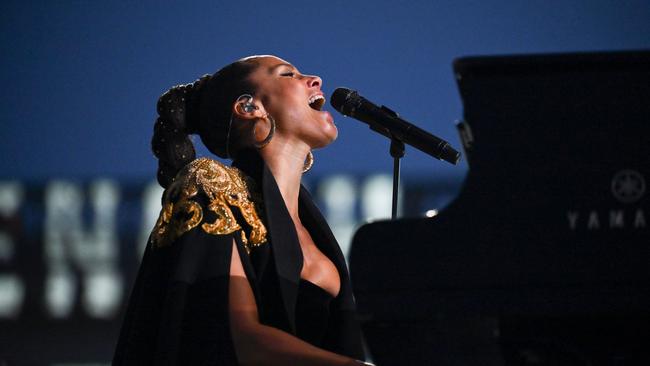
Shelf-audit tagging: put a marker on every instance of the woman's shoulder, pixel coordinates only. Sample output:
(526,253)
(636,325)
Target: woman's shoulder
(211,177)
(213,197)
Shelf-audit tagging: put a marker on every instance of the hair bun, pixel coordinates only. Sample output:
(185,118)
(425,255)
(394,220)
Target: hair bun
(201,107)
(192,93)
(170,142)
(172,108)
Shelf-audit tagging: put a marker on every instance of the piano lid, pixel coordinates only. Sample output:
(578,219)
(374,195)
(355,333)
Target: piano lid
(557,192)
(545,251)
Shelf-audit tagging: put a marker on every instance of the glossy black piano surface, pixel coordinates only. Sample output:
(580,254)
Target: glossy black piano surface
(544,256)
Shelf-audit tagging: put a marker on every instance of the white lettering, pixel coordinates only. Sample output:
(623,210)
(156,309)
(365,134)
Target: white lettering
(12,288)
(639,219)
(339,194)
(593,222)
(63,209)
(103,282)
(93,251)
(616,219)
(573,218)
(151,197)
(376,197)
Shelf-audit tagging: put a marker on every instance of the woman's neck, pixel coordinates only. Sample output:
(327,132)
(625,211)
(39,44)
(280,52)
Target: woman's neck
(286,162)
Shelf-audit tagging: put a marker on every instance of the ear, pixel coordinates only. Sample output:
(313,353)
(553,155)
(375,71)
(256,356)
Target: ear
(246,108)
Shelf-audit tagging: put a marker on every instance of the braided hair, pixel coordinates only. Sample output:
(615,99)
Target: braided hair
(204,108)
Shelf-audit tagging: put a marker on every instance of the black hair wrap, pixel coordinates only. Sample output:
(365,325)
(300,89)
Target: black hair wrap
(202,107)
(177,119)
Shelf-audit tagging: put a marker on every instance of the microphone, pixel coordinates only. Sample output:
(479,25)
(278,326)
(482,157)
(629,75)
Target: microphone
(388,123)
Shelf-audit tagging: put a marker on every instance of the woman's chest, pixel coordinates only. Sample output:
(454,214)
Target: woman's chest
(317,268)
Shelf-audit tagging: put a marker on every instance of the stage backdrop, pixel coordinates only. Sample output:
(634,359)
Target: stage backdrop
(81,80)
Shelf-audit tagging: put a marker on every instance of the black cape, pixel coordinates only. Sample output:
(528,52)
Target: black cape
(178,309)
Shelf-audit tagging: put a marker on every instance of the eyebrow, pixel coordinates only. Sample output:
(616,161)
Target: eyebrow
(272,69)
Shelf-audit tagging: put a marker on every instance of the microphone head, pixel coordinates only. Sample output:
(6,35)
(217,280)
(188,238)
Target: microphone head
(340,97)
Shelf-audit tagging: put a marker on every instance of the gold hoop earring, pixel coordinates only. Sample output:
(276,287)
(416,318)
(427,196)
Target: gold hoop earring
(309,162)
(268,138)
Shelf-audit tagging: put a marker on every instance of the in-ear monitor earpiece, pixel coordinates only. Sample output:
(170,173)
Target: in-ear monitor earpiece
(246,102)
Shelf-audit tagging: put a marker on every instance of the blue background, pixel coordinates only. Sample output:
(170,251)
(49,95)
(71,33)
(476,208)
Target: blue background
(81,78)
(80,82)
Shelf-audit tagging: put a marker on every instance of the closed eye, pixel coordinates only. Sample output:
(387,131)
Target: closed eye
(289,74)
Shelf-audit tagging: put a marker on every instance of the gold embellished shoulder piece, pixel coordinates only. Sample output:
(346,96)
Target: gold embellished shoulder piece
(224,188)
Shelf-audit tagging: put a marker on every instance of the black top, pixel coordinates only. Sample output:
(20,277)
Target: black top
(178,309)
(312,312)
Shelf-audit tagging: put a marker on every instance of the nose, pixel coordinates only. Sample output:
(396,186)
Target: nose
(314,81)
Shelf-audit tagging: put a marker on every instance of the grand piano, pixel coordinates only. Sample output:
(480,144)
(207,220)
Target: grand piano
(544,256)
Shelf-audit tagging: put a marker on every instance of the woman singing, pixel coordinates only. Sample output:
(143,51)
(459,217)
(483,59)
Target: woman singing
(241,268)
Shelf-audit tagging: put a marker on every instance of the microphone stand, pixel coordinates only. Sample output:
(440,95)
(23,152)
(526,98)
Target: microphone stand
(397,152)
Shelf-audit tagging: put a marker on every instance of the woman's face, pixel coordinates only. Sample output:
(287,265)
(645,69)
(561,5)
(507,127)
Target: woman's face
(294,100)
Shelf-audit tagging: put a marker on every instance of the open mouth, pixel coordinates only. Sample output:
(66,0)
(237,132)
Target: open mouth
(316,102)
